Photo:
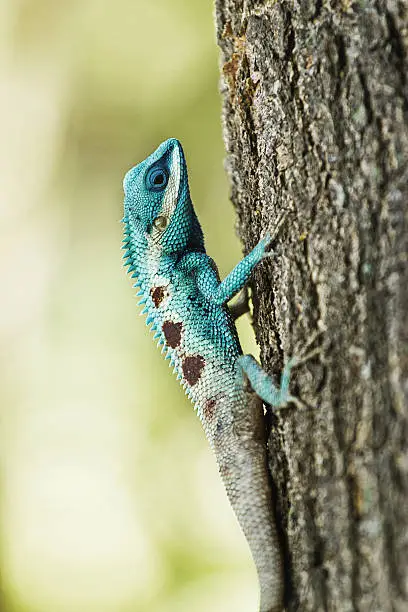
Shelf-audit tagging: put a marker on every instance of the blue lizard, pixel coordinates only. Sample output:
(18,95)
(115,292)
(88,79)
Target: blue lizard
(186,305)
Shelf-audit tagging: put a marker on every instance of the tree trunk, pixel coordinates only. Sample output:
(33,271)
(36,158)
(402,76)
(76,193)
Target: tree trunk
(315,119)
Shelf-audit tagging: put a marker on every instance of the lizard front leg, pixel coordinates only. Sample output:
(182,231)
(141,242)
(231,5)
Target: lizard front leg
(239,276)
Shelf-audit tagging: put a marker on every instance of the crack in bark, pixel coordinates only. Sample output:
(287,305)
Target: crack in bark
(366,96)
(399,53)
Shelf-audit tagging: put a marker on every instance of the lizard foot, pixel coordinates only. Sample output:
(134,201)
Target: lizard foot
(263,384)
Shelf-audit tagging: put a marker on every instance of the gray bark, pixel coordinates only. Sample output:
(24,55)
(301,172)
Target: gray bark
(315,99)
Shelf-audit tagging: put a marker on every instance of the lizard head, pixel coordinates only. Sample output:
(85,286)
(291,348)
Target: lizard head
(159,215)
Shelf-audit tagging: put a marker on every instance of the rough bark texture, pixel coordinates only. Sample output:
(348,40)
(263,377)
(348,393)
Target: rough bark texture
(315,119)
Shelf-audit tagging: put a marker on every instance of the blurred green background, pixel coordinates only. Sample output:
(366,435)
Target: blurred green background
(111,500)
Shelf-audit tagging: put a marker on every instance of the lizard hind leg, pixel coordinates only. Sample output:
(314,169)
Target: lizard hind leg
(262,383)
(241,304)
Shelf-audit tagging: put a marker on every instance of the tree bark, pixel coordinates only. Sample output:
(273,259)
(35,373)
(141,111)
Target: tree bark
(315,99)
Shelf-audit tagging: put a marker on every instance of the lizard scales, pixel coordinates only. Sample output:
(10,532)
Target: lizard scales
(186,306)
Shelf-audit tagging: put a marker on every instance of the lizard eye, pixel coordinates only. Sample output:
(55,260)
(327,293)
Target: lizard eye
(161,222)
(157,179)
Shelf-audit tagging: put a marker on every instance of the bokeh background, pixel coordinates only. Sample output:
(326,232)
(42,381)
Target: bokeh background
(110,497)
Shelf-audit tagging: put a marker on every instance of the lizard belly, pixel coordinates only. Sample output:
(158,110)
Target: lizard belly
(204,357)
